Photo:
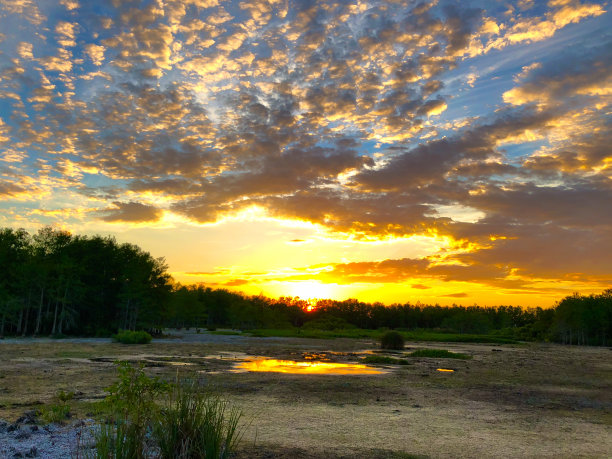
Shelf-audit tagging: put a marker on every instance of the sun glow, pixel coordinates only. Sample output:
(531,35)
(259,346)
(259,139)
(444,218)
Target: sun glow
(311,291)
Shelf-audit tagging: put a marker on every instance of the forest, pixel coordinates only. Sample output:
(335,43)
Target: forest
(53,283)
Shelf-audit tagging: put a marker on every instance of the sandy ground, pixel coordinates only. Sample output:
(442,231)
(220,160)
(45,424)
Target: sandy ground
(528,400)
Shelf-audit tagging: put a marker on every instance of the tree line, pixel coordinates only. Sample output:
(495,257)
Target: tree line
(56,283)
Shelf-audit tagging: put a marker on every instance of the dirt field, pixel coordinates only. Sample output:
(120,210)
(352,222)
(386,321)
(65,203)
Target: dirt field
(529,400)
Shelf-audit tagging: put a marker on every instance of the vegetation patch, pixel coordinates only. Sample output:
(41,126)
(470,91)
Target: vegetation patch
(392,340)
(439,354)
(132,337)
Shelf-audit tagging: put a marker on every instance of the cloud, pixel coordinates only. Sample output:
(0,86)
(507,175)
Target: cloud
(236,282)
(353,116)
(588,75)
(10,190)
(95,53)
(132,212)
(456,295)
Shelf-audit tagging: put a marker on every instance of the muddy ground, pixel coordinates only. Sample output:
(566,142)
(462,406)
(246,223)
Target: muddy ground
(527,400)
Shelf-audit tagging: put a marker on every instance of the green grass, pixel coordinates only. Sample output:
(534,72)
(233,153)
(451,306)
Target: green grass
(426,335)
(439,354)
(56,413)
(314,333)
(384,359)
(132,337)
(360,333)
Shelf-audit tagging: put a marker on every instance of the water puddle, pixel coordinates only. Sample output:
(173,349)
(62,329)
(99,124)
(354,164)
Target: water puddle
(308,367)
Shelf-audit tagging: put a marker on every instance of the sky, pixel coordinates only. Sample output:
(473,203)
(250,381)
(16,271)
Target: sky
(438,151)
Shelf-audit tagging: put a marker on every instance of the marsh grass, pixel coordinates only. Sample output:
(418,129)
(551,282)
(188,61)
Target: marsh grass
(439,354)
(196,424)
(361,333)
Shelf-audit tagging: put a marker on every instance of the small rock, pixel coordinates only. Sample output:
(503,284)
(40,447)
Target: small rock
(34,428)
(22,435)
(32,453)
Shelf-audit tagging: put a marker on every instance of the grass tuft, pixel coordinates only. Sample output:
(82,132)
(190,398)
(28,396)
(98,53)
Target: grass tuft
(440,354)
(196,424)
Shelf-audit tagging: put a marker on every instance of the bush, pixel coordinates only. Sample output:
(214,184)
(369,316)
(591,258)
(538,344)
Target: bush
(440,354)
(392,340)
(132,337)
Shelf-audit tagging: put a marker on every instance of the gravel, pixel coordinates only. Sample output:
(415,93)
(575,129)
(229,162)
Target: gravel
(25,438)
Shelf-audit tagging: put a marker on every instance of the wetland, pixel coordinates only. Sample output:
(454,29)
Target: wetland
(533,399)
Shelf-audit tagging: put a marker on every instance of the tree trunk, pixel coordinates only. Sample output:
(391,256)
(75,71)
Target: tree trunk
(55,317)
(134,317)
(2,326)
(20,321)
(61,319)
(39,317)
(27,312)
(127,312)
(25,326)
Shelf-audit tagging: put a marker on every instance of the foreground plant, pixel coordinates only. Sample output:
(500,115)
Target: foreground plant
(196,424)
(193,424)
(131,405)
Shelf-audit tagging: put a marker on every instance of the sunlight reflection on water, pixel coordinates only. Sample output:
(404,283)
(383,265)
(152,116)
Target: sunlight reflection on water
(310,367)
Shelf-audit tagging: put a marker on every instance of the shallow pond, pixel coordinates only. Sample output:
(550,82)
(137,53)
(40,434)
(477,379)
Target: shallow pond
(309,367)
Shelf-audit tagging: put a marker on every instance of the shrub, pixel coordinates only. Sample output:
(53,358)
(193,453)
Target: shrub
(392,340)
(439,353)
(132,337)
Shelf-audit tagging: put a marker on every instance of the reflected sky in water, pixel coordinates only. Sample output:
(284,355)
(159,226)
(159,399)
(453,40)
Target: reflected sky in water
(311,367)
